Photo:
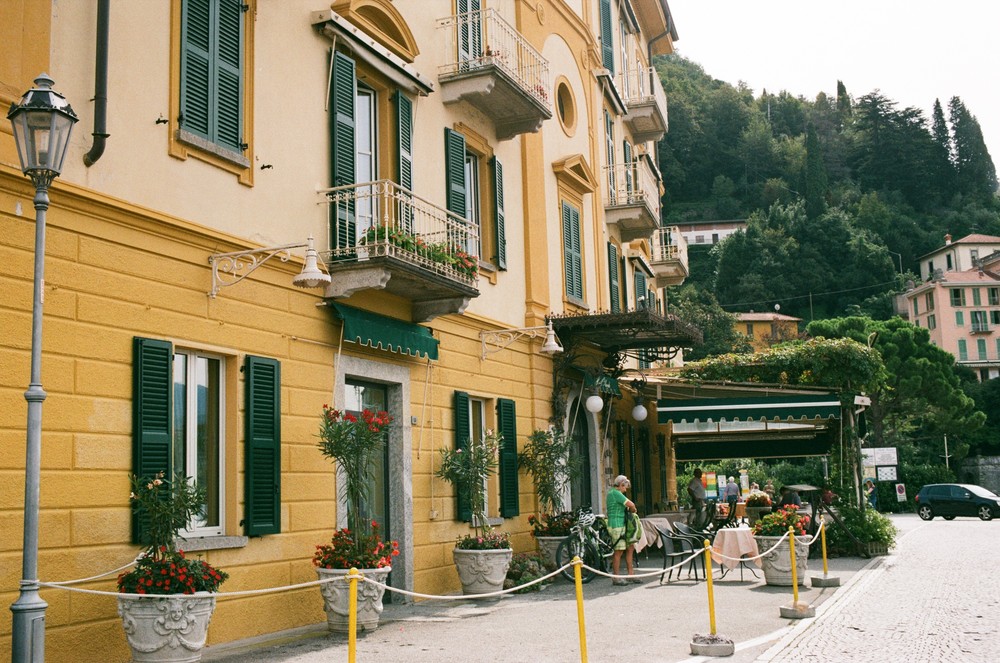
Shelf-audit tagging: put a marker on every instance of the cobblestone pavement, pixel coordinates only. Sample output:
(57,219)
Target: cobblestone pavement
(935,600)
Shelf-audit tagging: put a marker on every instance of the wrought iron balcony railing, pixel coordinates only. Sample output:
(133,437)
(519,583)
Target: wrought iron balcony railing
(381,219)
(646,103)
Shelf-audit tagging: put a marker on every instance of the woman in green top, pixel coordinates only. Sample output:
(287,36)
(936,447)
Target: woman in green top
(618,504)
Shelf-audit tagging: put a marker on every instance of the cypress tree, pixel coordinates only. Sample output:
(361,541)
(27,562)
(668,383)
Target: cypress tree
(816,181)
(975,172)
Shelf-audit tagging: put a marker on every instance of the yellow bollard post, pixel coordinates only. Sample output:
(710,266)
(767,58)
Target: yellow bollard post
(578,579)
(352,615)
(795,571)
(711,594)
(822,538)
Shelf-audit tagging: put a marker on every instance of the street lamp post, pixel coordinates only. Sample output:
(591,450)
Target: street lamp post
(900,256)
(42,123)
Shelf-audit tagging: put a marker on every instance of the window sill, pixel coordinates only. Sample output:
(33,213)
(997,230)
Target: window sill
(200,143)
(204,543)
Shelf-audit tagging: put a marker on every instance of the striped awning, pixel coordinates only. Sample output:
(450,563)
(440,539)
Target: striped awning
(792,408)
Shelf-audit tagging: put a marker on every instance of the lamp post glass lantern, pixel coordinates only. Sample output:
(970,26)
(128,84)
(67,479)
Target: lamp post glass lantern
(42,123)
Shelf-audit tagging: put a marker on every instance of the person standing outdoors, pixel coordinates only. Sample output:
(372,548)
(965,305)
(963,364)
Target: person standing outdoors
(618,507)
(696,491)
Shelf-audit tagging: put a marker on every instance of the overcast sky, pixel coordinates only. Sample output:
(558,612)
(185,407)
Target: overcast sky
(915,51)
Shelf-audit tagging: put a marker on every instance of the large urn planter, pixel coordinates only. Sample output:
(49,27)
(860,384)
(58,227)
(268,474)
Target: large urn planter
(755,513)
(336,598)
(170,628)
(777,563)
(548,545)
(482,571)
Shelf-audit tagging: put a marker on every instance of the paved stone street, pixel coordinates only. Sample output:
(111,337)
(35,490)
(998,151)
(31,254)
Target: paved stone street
(936,600)
(928,602)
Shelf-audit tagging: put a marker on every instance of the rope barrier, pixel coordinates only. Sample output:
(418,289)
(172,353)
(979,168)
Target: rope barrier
(65,584)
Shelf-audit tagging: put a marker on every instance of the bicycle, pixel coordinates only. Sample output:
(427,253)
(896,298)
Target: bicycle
(589,540)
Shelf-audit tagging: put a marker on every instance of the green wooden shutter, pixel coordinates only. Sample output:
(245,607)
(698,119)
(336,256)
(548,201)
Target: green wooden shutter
(498,215)
(510,505)
(607,45)
(229,78)
(620,448)
(614,283)
(454,168)
(404,163)
(622,275)
(342,148)
(571,251)
(152,414)
(212,71)
(629,179)
(463,432)
(196,58)
(262,482)
(640,290)
(470,32)
(404,137)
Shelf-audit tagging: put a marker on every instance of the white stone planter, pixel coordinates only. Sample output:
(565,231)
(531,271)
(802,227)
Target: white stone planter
(169,628)
(482,571)
(336,598)
(754,513)
(548,545)
(777,563)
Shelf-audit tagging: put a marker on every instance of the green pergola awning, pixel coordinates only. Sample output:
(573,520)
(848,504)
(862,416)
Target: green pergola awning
(605,384)
(770,408)
(385,333)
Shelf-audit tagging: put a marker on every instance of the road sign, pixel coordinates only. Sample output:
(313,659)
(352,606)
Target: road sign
(886,473)
(900,492)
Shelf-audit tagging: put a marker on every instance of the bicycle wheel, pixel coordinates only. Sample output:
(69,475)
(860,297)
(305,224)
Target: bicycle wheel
(573,547)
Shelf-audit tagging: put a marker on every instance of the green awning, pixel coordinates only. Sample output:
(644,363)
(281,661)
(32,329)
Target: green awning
(384,333)
(605,384)
(770,408)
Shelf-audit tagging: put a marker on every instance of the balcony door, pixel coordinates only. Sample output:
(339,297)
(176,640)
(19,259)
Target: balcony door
(360,396)
(365,161)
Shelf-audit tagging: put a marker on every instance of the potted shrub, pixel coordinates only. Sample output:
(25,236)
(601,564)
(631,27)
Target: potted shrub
(160,623)
(777,561)
(546,457)
(354,444)
(758,503)
(874,530)
(550,530)
(525,567)
(483,557)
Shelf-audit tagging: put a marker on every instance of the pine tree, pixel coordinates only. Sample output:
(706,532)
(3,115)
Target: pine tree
(975,172)
(844,108)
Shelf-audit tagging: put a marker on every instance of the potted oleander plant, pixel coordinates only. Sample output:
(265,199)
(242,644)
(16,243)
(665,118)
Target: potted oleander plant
(167,598)
(776,560)
(354,443)
(546,457)
(482,557)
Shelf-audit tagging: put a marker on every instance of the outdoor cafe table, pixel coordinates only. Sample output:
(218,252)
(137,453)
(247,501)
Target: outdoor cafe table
(650,537)
(734,543)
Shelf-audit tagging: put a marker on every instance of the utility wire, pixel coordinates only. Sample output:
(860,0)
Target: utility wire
(807,296)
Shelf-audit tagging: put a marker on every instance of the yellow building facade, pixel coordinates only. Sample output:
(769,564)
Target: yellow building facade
(406,138)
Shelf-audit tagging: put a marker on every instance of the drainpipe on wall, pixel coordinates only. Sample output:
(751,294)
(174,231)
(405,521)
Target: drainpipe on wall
(100,86)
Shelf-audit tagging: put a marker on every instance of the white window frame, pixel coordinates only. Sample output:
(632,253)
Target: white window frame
(473,202)
(190,435)
(477,429)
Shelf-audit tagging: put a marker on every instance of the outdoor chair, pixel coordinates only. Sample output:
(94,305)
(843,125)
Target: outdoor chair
(677,547)
(697,535)
(730,519)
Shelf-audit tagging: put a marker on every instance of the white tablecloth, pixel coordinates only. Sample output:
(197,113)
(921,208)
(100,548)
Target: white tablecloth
(734,542)
(649,524)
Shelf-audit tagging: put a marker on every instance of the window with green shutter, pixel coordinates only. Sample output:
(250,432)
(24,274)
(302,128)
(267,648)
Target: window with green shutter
(607,44)
(963,353)
(463,434)
(152,415)
(470,31)
(500,230)
(572,254)
(507,426)
(454,168)
(343,151)
(211,94)
(641,296)
(262,508)
(404,153)
(614,284)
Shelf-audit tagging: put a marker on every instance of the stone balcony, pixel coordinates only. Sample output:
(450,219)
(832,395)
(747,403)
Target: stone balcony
(497,71)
